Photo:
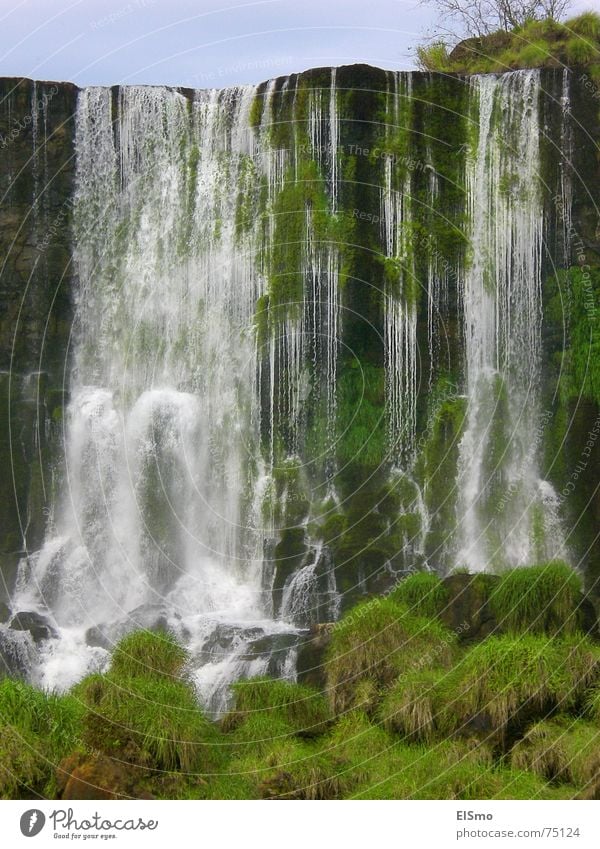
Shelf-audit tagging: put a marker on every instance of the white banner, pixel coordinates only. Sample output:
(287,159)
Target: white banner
(301,825)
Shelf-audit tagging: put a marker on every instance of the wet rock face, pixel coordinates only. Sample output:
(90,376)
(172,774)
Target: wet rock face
(310,664)
(17,653)
(36,186)
(37,163)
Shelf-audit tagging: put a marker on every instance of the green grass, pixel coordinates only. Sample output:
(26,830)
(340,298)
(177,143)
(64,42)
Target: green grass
(592,706)
(504,680)
(581,52)
(300,708)
(586,25)
(406,714)
(36,731)
(409,707)
(152,722)
(379,640)
(538,599)
(562,750)
(423,593)
(148,653)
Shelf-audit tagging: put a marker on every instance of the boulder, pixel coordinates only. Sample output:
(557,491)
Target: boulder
(36,623)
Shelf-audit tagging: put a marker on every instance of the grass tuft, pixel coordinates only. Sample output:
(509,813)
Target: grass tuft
(379,640)
(563,750)
(538,599)
(36,731)
(302,709)
(423,593)
(148,653)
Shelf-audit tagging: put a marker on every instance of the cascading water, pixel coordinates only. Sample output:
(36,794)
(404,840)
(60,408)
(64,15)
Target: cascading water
(162,435)
(505,512)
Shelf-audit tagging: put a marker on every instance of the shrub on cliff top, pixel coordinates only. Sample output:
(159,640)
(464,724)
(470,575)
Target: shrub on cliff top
(546,43)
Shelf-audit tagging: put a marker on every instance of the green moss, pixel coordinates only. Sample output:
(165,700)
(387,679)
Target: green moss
(538,599)
(256,110)
(437,468)
(582,358)
(423,593)
(380,640)
(361,420)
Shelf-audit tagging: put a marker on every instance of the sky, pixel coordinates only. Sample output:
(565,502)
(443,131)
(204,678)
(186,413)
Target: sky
(206,43)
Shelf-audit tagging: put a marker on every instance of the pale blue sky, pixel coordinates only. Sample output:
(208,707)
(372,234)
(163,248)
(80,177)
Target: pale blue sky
(205,43)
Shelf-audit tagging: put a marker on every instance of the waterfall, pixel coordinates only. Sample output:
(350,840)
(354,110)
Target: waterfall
(214,478)
(501,499)
(162,441)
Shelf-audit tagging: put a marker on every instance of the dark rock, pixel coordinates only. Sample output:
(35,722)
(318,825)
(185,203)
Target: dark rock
(276,647)
(96,636)
(97,777)
(474,47)
(5,612)
(37,625)
(467,611)
(148,617)
(588,620)
(310,665)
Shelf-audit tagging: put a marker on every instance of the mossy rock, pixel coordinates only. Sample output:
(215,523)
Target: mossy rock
(379,640)
(467,611)
(84,776)
(310,662)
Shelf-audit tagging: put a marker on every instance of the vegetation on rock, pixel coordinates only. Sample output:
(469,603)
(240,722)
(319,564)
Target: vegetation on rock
(535,44)
(408,711)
